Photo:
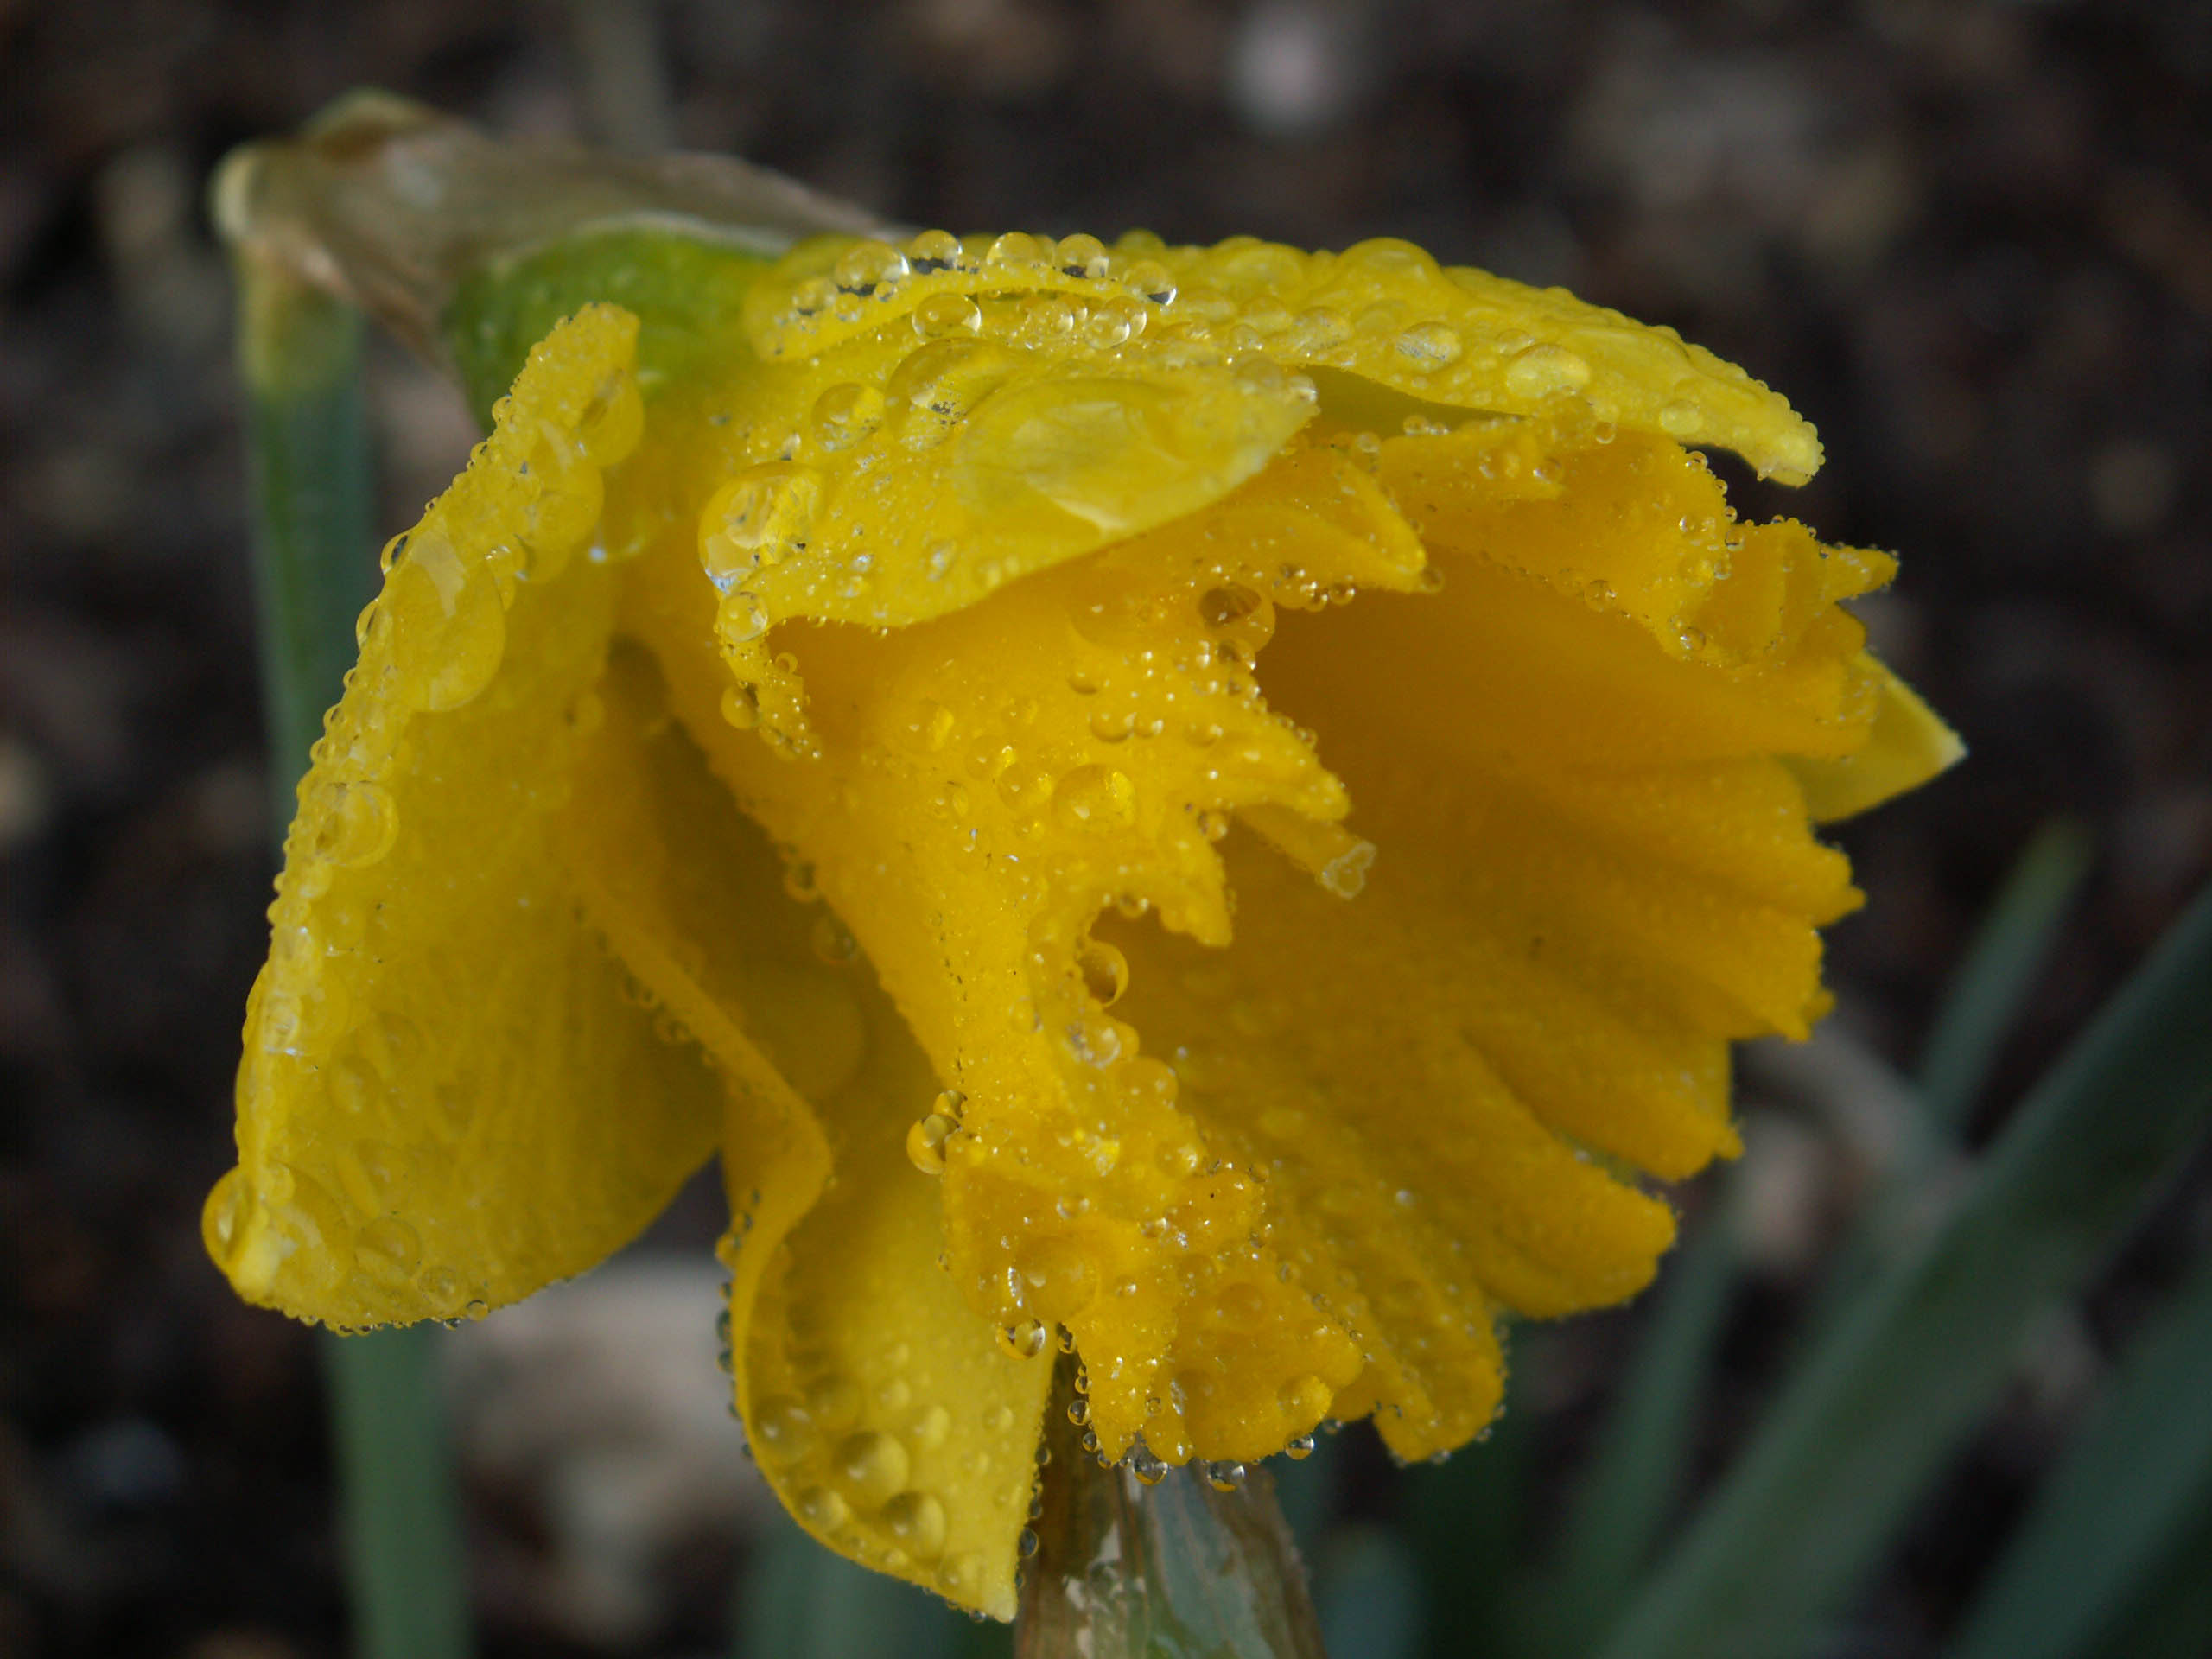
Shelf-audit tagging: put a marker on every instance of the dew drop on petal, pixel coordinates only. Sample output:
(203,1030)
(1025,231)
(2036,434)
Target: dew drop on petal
(741,706)
(925,1142)
(1539,370)
(1431,346)
(782,1430)
(942,317)
(874,1464)
(916,1521)
(356,823)
(445,622)
(1105,971)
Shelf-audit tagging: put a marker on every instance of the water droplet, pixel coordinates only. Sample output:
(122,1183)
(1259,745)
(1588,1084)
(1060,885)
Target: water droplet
(1148,1469)
(1224,1476)
(1108,326)
(941,316)
(917,1520)
(1431,346)
(355,823)
(741,706)
(1082,256)
(1539,370)
(440,1285)
(1600,594)
(447,628)
(1024,1340)
(1094,1041)
(935,251)
(565,497)
(1025,790)
(1113,725)
(761,517)
(1680,419)
(925,1142)
(1346,873)
(612,422)
(1013,251)
(782,1430)
(868,265)
(961,1576)
(931,1428)
(1026,1545)
(1151,279)
(740,618)
(1079,1412)
(846,414)
(1300,1448)
(823,1509)
(1095,798)
(1105,971)
(388,1251)
(876,1465)
(222,1218)
(832,942)
(478,1309)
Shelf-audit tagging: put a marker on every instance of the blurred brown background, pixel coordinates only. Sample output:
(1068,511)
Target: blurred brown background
(1973,241)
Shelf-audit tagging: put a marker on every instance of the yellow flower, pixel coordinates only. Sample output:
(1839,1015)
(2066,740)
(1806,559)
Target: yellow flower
(1224,801)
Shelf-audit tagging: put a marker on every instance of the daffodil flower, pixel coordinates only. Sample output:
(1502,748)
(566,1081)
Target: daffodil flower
(1217,806)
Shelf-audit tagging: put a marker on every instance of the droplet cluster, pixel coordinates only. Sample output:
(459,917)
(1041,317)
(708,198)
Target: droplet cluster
(1383,309)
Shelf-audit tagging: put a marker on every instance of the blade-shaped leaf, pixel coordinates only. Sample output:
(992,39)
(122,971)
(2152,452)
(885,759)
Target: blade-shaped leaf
(1635,1473)
(1870,1417)
(2117,1502)
(1984,997)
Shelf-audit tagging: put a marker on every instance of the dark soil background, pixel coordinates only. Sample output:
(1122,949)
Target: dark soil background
(1973,241)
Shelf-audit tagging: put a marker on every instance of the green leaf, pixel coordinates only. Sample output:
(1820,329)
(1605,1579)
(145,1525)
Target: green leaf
(1182,1565)
(1978,1013)
(2125,1489)
(406,1557)
(797,1600)
(2168,1617)
(1985,995)
(1637,1473)
(1869,1419)
(1367,1591)
(1466,1520)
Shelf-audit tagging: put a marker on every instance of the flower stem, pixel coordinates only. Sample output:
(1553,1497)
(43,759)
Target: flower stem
(1125,1570)
(299,357)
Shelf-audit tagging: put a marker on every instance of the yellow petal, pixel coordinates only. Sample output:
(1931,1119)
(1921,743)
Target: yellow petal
(1909,744)
(1384,310)
(447,1100)
(880,1406)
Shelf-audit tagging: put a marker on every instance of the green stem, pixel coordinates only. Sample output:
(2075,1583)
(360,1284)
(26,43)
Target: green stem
(300,356)
(1130,1571)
